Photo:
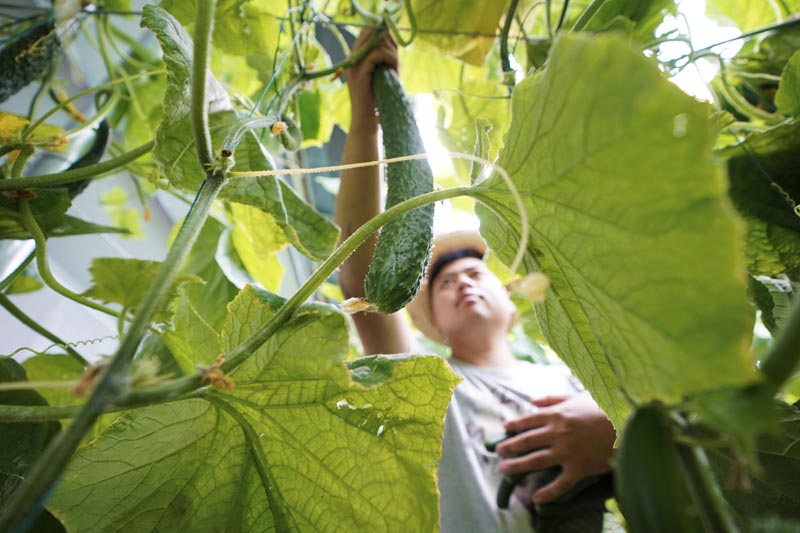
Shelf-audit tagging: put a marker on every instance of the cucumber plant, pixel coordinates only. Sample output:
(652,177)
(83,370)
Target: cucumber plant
(644,208)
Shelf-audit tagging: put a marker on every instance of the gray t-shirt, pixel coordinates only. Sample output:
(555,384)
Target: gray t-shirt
(469,475)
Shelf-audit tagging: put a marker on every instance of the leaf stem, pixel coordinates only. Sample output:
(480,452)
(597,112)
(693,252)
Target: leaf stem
(78,174)
(29,130)
(30,223)
(20,315)
(203,27)
(504,60)
(17,271)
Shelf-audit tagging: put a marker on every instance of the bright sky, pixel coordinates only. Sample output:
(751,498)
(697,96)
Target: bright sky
(693,80)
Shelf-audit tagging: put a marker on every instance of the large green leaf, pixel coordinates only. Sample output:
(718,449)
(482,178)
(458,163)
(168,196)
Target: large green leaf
(629,219)
(176,157)
(765,189)
(297,445)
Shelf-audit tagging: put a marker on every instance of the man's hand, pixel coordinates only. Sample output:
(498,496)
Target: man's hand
(570,431)
(359,77)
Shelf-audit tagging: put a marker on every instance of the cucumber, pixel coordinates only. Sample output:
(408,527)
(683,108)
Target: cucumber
(92,156)
(404,245)
(649,480)
(26,58)
(288,133)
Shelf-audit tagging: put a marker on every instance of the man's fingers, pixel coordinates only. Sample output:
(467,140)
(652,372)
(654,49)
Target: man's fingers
(525,442)
(554,489)
(537,460)
(529,421)
(547,401)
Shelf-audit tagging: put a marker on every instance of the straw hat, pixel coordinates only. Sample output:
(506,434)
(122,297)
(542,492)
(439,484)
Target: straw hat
(420,308)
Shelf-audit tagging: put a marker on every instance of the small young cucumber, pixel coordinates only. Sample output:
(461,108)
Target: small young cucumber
(288,133)
(404,245)
(650,486)
(26,58)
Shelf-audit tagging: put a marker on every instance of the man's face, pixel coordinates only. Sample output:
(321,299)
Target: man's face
(466,294)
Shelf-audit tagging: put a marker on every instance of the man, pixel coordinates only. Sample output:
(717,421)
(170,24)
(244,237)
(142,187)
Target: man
(465,306)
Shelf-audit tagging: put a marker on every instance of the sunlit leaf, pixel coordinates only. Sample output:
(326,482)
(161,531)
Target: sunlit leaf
(630,221)
(125,281)
(468,36)
(423,69)
(750,14)
(190,339)
(478,102)
(296,445)
(258,239)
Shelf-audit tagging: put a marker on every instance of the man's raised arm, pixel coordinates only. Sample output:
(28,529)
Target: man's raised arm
(359,199)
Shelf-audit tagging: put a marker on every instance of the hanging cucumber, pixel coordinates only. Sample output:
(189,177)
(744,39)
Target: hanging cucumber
(404,245)
(28,57)
(650,486)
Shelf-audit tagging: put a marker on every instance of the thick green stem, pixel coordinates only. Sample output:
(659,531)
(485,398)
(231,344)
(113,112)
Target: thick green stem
(241,352)
(30,223)
(20,315)
(18,167)
(203,26)
(781,361)
(78,174)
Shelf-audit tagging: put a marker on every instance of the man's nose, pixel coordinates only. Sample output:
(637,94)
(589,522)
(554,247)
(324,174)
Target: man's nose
(465,280)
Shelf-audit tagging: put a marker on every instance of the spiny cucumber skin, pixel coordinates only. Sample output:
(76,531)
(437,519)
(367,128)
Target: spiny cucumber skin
(404,246)
(27,58)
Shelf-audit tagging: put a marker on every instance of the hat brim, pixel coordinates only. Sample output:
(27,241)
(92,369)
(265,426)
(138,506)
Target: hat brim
(420,309)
